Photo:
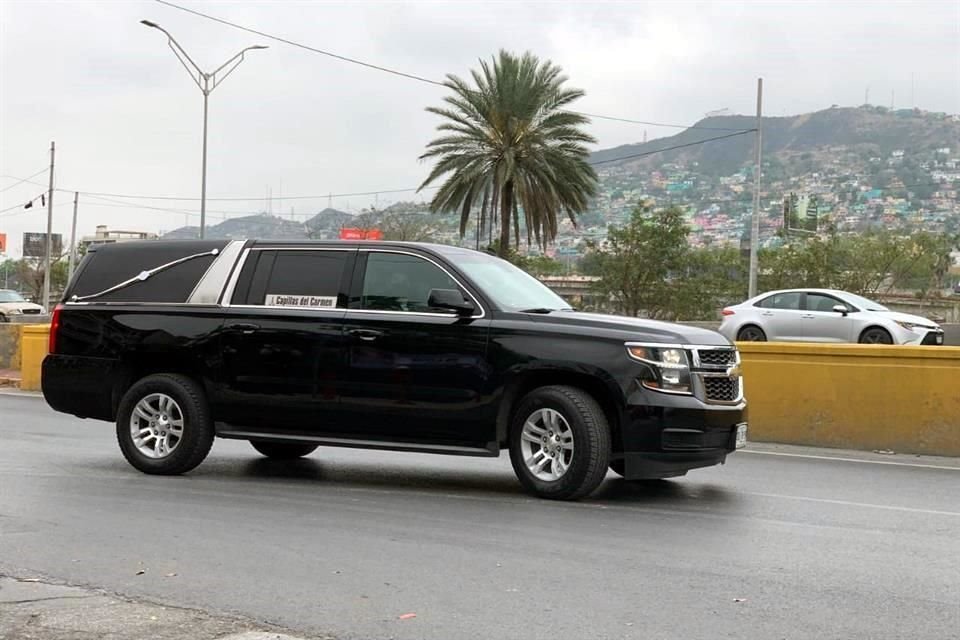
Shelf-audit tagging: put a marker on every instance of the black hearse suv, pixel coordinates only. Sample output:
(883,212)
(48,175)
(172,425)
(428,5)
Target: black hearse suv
(405,347)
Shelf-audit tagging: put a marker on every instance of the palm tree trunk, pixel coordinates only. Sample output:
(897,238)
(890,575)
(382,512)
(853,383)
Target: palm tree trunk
(506,212)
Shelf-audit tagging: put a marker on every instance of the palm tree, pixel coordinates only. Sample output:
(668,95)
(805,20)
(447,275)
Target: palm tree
(508,143)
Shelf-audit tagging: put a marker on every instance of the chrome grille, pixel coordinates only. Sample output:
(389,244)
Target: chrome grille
(717,357)
(721,389)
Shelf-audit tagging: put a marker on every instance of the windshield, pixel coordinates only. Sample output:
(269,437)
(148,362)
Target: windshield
(511,288)
(863,303)
(11,296)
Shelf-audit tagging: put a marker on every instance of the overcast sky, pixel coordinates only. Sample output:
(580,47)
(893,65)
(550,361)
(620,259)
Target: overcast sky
(127,119)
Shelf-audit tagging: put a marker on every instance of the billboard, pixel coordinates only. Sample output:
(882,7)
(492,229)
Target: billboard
(3,243)
(360,234)
(35,245)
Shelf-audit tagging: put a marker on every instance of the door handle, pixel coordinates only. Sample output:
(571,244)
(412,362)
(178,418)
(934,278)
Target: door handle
(767,313)
(808,317)
(244,327)
(367,335)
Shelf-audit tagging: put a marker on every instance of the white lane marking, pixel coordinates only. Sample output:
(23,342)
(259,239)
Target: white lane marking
(839,459)
(848,503)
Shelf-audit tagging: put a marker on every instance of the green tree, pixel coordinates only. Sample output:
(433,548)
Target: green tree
(509,145)
(639,259)
(408,227)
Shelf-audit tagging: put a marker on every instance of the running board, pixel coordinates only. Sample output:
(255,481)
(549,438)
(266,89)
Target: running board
(490,451)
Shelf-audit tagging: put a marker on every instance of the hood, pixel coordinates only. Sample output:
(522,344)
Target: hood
(906,317)
(638,329)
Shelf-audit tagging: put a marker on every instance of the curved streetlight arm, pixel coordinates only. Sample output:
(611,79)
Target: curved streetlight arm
(195,73)
(234,61)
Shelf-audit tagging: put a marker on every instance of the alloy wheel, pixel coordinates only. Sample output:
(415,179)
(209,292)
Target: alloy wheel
(156,425)
(546,444)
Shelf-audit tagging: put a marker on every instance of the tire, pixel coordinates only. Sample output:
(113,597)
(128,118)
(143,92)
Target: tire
(751,333)
(189,408)
(582,426)
(876,335)
(283,450)
(3,318)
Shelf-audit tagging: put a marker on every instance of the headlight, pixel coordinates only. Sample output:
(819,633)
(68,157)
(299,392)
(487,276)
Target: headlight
(669,367)
(15,312)
(910,326)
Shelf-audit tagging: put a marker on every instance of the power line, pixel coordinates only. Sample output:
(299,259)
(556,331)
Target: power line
(678,146)
(402,74)
(21,181)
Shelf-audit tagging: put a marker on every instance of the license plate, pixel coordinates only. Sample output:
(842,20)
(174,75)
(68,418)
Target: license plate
(741,436)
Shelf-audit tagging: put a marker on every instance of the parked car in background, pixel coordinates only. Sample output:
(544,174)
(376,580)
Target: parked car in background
(824,315)
(13,305)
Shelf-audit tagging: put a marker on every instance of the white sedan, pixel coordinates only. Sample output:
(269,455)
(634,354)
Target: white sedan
(824,315)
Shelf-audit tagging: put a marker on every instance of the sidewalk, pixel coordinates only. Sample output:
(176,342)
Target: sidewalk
(34,610)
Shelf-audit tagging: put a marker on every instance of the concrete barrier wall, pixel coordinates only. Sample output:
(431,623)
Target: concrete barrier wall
(33,350)
(10,335)
(904,399)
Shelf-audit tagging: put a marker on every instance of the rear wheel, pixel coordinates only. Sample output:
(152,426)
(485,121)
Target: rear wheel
(560,443)
(751,333)
(164,425)
(283,450)
(876,335)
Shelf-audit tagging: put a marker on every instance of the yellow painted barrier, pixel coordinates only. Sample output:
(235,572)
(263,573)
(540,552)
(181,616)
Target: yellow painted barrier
(33,350)
(903,399)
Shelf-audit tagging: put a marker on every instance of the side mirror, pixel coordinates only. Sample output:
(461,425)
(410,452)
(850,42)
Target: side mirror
(840,308)
(450,300)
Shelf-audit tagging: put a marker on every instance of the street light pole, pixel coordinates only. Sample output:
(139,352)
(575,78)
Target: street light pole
(207,82)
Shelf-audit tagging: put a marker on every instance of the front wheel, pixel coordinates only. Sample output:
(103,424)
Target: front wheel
(283,450)
(560,443)
(876,335)
(164,425)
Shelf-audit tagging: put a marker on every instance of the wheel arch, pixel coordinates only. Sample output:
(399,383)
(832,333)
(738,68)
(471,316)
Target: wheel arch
(601,387)
(134,370)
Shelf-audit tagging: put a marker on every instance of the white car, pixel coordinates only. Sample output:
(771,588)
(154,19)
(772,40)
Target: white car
(12,305)
(824,315)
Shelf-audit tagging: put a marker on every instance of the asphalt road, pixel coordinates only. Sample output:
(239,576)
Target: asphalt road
(346,542)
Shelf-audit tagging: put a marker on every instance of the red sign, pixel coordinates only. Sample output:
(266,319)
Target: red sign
(3,243)
(361,234)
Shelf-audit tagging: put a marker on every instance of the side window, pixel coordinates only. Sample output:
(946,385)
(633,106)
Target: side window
(821,302)
(400,282)
(298,279)
(781,301)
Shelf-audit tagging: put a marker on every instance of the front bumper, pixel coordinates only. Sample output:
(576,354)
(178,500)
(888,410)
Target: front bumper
(668,441)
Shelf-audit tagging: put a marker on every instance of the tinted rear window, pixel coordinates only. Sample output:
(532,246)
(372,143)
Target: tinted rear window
(110,265)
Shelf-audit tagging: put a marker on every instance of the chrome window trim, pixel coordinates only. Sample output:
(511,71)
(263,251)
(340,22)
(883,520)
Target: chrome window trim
(210,285)
(227,293)
(483,311)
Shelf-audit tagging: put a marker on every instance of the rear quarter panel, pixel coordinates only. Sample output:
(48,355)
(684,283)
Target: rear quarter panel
(102,349)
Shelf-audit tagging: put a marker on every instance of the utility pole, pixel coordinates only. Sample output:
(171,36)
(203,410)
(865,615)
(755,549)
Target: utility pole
(755,220)
(46,261)
(73,238)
